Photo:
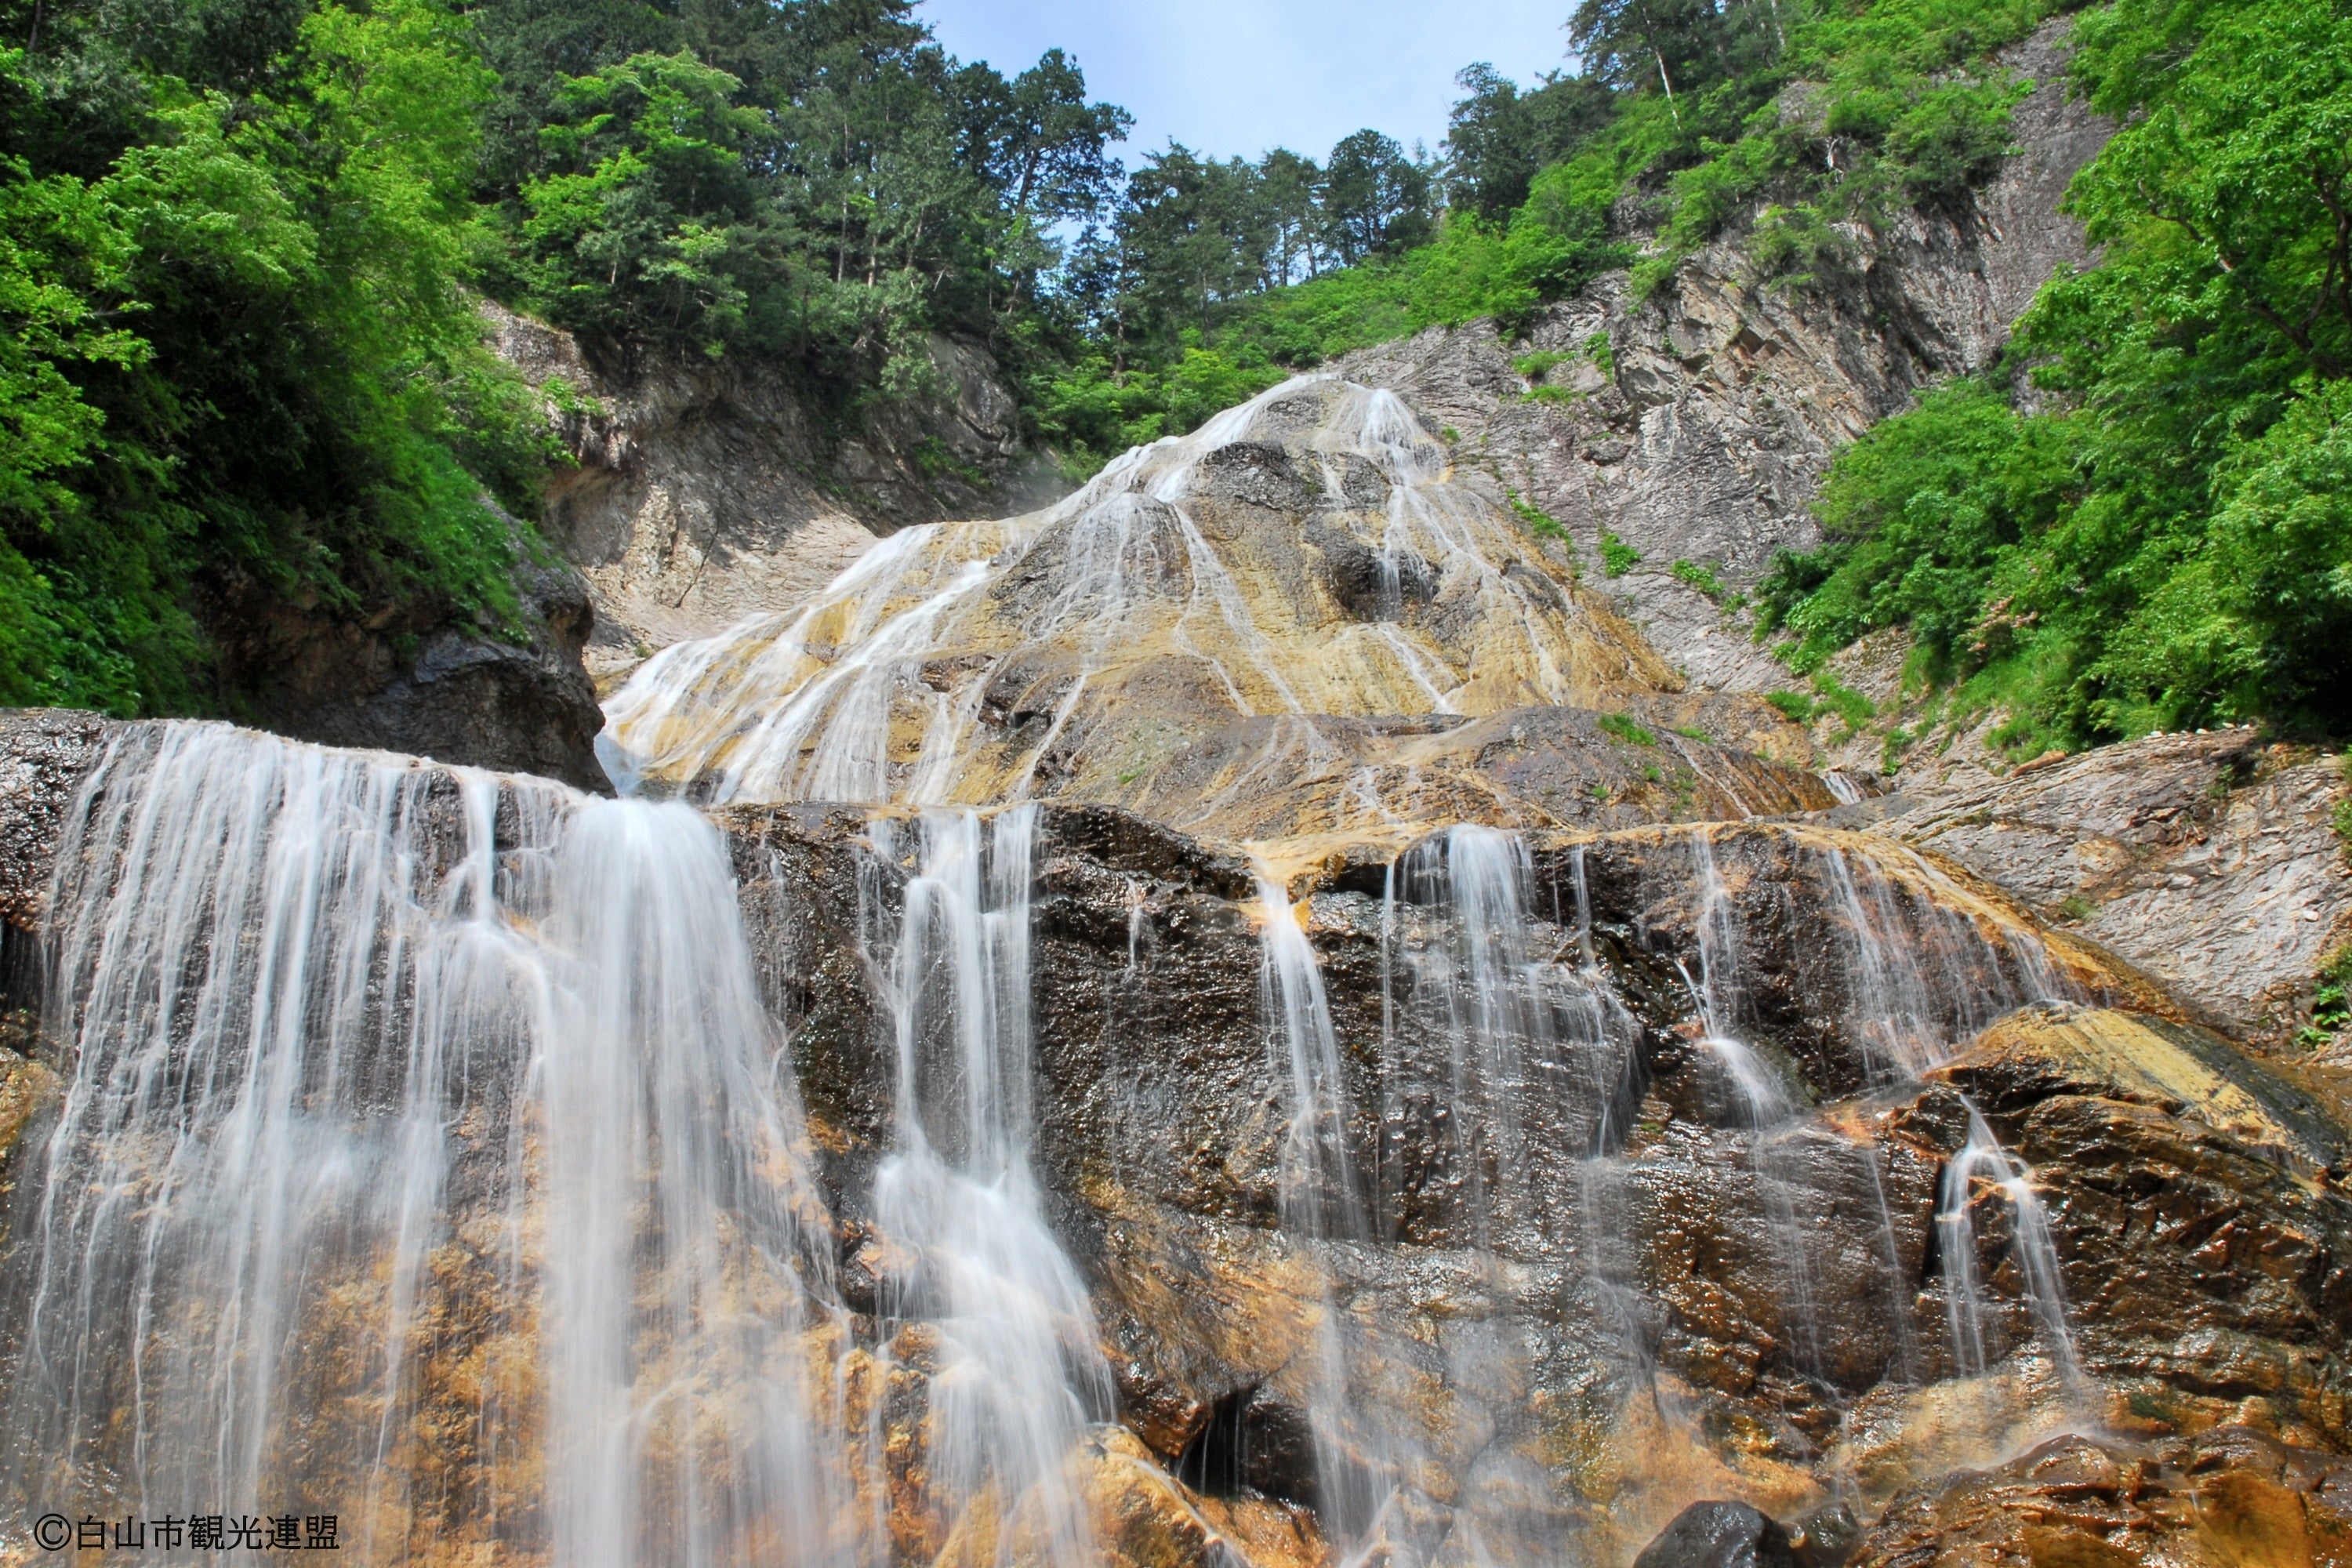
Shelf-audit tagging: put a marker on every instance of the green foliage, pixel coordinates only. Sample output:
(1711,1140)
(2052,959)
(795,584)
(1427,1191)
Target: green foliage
(1540,523)
(289,388)
(1844,700)
(1869,107)
(1700,578)
(2331,1001)
(1617,557)
(2168,543)
(240,248)
(645,222)
(1794,706)
(1621,725)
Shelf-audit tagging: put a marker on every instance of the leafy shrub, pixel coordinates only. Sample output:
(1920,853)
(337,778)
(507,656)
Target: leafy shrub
(1621,725)
(1617,557)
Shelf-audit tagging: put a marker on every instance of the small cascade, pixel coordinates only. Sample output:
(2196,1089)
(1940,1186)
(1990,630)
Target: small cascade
(1921,977)
(1323,1206)
(1520,1023)
(1983,1164)
(1716,990)
(1017,1375)
(1503,1077)
(422,1165)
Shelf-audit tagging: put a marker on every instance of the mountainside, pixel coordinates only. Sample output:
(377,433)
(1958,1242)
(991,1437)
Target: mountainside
(1365,864)
(1694,425)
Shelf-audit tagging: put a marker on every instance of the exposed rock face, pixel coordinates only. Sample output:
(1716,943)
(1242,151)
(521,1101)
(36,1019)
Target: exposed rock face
(1279,627)
(2229,1497)
(43,752)
(1608,1175)
(705,493)
(2193,1196)
(437,687)
(2205,859)
(1704,435)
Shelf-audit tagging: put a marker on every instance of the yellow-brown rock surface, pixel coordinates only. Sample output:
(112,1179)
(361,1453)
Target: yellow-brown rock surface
(1300,619)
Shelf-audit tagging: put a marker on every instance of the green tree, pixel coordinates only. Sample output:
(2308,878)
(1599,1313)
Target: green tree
(1375,199)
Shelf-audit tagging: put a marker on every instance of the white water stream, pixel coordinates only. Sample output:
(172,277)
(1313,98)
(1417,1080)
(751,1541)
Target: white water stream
(1016,1372)
(424,1156)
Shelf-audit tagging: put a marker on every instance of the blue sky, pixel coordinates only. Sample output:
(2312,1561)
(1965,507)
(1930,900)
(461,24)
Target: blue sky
(1242,75)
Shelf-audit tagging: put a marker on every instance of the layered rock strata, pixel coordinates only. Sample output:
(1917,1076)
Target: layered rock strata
(2211,859)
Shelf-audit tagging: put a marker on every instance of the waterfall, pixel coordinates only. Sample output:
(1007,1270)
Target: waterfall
(1323,1206)
(1003,646)
(422,1162)
(1983,1161)
(1017,1373)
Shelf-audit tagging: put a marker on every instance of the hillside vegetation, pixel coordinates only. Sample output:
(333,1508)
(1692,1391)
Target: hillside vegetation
(2163,536)
(242,243)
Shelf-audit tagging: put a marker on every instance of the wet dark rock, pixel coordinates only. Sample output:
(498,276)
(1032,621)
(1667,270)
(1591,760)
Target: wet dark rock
(427,682)
(1255,473)
(44,754)
(1718,1535)
(1377,586)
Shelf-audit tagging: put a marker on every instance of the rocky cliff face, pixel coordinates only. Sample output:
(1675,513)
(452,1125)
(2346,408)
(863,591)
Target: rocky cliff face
(2211,860)
(1700,431)
(706,493)
(428,683)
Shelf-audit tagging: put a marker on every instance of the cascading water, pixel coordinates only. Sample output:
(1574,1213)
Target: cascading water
(422,1164)
(430,1159)
(1982,1160)
(1508,1078)
(1323,1205)
(1765,1106)
(1481,1023)
(1016,1374)
(1070,652)
(1918,979)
